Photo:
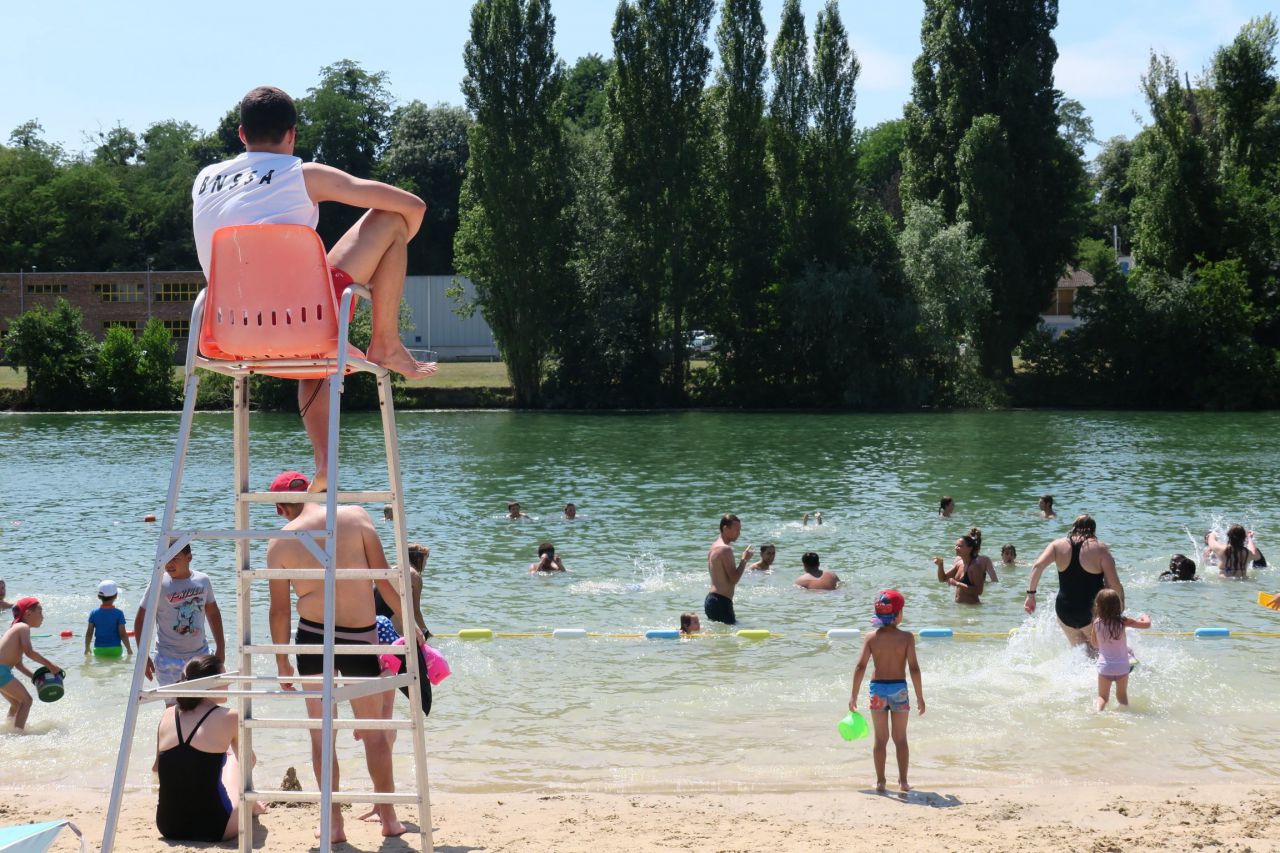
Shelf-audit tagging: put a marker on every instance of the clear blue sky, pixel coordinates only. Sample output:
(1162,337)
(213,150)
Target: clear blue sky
(84,65)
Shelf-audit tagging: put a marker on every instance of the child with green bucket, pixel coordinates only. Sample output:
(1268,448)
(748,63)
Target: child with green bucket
(893,651)
(15,643)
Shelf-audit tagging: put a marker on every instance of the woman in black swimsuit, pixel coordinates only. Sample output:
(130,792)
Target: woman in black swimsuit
(1077,586)
(198,763)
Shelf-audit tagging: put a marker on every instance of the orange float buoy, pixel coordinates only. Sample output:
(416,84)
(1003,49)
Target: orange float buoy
(66,635)
(149,517)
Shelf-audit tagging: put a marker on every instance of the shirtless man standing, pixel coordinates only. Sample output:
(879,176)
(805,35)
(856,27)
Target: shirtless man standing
(725,573)
(814,577)
(358,547)
(267,184)
(1085,566)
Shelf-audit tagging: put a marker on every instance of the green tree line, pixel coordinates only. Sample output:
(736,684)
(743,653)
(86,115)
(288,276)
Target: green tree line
(608,209)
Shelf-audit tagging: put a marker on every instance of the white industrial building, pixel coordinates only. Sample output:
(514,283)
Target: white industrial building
(437,327)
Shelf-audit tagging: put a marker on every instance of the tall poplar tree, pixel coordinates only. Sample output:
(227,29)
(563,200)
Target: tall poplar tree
(511,238)
(743,194)
(995,58)
(789,112)
(830,161)
(657,135)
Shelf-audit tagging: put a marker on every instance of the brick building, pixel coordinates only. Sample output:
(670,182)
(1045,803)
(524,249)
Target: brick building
(107,298)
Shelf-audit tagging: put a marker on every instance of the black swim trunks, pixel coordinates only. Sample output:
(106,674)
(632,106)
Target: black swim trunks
(352,666)
(719,609)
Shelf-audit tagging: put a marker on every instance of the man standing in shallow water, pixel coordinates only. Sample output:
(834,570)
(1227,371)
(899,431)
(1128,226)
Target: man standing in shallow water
(725,573)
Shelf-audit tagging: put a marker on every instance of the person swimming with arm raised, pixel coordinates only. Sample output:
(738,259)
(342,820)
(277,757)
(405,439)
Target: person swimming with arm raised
(1235,555)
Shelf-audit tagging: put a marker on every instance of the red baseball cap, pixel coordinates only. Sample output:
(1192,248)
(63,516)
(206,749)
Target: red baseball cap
(290,481)
(21,607)
(889,603)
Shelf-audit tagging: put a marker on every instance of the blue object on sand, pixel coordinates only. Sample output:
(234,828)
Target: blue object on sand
(936,632)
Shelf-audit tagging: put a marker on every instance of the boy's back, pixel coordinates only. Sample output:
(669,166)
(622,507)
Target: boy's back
(889,646)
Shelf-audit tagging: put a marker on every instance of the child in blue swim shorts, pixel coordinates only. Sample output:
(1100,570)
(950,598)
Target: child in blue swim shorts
(893,652)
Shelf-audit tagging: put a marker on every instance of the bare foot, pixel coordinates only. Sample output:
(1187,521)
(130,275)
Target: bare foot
(259,808)
(394,829)
(371,816)
(397,358)
(319,482)
(337,832)
(879,786)
(903,787)
(1099,703)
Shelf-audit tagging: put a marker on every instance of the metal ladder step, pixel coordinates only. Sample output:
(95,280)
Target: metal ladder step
(314,497)
(316,723)
(392,575)
(278,796)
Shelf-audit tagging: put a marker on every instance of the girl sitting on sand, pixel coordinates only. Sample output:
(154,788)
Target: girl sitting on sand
(1109,623)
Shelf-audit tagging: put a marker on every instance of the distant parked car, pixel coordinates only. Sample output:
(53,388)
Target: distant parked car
(702,344)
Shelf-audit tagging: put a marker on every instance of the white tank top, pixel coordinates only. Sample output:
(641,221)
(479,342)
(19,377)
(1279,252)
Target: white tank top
(255,188)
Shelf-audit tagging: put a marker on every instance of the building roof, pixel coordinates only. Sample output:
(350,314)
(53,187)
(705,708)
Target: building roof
(1076,279)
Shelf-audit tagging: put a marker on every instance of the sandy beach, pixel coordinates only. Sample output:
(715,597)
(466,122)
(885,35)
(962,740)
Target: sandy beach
(1090,818)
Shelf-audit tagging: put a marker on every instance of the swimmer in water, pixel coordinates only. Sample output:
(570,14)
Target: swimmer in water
(1046,507)
(946,506)
(1085,565)
(1008,556)
(4,604)
(1235,554)
(969,570)
(768,551)
(547,560)
(689,623)
(570,512)
(513,511)
(1181,568)
(814,577)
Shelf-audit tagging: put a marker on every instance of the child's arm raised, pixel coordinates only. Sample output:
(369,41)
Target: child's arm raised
(913,666)
(1142,620)
(860,670)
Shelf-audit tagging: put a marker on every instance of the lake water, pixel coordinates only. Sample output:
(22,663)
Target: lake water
(718,713)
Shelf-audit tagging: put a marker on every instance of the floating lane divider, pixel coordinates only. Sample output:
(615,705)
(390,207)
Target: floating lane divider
(765,634)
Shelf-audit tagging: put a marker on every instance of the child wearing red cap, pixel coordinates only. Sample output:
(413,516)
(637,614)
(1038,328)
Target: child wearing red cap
(893,652)
(15,643)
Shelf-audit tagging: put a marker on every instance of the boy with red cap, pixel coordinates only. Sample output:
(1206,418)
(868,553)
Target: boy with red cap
(893,652)
(15,643)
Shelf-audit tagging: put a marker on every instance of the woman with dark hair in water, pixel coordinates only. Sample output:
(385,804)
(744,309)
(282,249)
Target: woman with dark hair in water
(1085,565)
(969,572)
(1236,553)
(946,506)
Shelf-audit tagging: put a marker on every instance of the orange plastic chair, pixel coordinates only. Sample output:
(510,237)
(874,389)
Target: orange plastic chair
(270,297)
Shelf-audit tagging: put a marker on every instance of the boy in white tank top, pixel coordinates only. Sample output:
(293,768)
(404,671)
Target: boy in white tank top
(268,184)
